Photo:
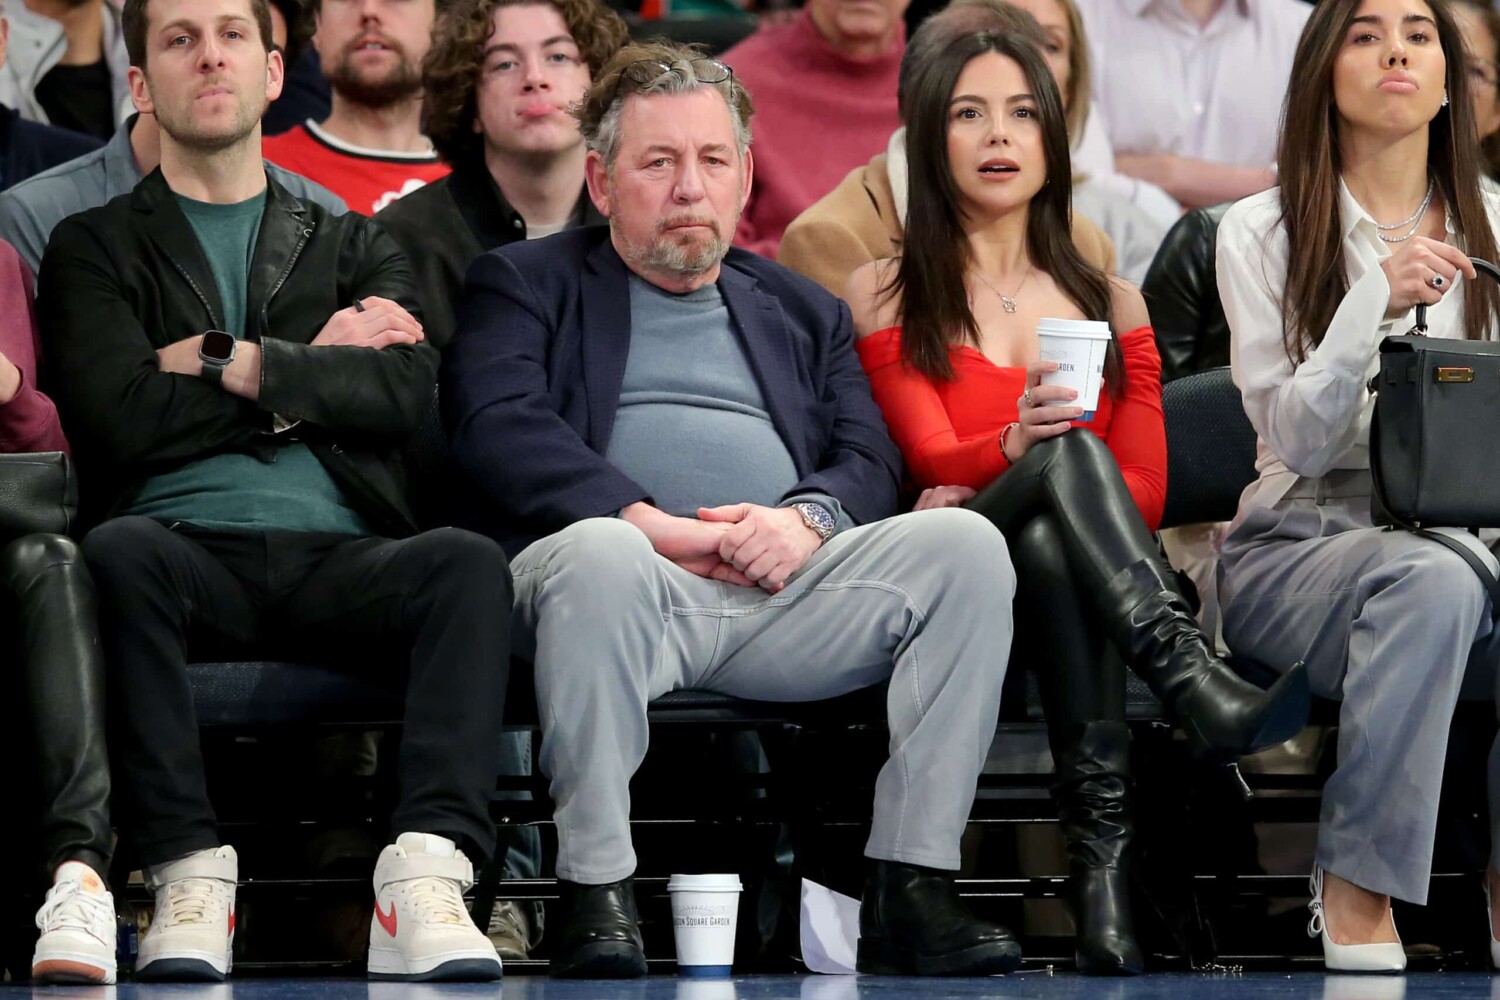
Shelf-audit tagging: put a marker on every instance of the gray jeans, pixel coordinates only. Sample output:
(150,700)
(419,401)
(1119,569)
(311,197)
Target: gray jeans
(1398,629)
(922,600)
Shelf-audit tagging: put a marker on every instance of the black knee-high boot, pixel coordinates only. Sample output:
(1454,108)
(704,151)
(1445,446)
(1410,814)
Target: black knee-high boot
(1092,789)
(1083,695)
(1075,478)
(52,603)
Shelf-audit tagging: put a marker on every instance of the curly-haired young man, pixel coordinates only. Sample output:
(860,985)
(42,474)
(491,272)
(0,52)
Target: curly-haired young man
(500,78)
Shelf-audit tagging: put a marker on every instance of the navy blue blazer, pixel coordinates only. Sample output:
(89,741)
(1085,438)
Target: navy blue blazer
(531,383)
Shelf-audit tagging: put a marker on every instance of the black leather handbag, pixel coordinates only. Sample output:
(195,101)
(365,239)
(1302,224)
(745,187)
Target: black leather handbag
(1435,436)
(38,494)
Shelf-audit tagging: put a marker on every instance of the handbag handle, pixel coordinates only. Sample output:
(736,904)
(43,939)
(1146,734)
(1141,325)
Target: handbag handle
(1481,265)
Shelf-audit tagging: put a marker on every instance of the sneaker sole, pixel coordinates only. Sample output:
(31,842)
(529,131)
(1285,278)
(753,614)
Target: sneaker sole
(66,971)
(180,970)
(458,970)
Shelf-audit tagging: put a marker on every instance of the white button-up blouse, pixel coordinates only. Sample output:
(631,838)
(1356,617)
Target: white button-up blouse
(1314,418)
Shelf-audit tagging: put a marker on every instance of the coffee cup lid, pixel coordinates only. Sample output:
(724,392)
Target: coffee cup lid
(1091,329)
(704,883)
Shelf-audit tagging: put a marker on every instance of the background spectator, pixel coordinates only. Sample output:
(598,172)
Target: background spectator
(28,147)
(1189,90)
(1480,25)
(1135,231)
(824,87)
(370,150)
(32,209)
(67,65)
(500,79)
(305,95)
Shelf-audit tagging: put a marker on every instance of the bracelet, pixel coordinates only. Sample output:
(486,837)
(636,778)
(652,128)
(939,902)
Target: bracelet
(1004,431)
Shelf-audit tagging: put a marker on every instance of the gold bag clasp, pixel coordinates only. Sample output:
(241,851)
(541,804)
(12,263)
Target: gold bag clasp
(1455,374)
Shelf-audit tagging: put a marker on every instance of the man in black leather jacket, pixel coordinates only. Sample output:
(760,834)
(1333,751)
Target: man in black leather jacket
(240,369)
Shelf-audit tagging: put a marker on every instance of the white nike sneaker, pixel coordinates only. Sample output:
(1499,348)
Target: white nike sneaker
(422,932)
(78,929)
(191,937)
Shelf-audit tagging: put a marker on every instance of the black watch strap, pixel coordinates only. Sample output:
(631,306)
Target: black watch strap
(213,374)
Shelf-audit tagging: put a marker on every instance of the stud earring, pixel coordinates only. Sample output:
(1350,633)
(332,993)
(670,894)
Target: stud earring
(1445,99)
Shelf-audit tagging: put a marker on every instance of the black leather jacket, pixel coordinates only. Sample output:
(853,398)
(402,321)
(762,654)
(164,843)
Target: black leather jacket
(120,281)
(1182,294)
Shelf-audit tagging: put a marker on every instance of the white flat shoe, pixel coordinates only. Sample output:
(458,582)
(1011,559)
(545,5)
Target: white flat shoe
(1384,957)
(1489,915)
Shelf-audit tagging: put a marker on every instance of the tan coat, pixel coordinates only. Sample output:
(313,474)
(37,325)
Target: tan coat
(856,223)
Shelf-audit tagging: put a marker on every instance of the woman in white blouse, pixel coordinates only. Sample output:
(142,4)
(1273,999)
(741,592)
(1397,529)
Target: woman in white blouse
(1379,201)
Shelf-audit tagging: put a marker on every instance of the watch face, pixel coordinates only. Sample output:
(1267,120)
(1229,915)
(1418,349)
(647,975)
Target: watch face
(217,346)
(817,515)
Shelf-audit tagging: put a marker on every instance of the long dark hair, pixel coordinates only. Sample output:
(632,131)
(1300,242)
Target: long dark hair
(936,255)
(1310,164)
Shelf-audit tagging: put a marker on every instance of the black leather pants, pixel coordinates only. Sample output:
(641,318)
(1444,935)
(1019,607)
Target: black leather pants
(1075,479)
(1081,676)
(51,610)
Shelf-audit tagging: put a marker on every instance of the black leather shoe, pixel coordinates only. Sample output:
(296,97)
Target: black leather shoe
(912,923)
(599,934)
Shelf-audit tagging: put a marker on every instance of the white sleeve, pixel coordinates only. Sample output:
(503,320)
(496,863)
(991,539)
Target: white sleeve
(1308,416)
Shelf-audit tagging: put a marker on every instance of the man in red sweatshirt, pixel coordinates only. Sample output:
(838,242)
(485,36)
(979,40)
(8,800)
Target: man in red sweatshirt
(824,88)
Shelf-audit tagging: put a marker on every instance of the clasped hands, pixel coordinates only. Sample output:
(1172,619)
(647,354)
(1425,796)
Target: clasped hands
(744,544)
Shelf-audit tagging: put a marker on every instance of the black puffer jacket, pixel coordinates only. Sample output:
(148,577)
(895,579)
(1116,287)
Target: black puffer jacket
(120,281)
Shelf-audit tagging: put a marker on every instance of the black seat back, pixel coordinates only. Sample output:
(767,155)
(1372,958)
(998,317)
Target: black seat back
(1210,448)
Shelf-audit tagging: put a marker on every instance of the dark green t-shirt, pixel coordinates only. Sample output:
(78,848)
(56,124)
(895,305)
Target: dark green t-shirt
(227,235)
(234,491)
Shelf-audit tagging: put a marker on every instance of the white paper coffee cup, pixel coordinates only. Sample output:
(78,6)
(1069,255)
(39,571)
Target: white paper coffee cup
(1078,346)
(704,912)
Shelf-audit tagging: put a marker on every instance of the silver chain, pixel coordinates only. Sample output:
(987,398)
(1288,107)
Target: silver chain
(1415,221)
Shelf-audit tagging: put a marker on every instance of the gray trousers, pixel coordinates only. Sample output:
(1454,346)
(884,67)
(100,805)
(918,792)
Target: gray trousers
(1396,627)
(922,600)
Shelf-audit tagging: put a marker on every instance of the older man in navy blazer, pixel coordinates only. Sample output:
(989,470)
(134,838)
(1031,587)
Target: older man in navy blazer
(676,444)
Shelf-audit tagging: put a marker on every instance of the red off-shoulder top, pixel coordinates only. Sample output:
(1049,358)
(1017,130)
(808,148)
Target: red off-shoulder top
(949,432)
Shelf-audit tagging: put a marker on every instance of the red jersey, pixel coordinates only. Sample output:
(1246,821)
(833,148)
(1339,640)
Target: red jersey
(367,179)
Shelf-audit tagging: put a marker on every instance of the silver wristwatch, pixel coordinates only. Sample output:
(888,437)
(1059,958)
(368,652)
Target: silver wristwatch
(816,517)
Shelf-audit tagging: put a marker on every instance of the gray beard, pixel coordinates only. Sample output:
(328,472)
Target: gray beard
(665,257)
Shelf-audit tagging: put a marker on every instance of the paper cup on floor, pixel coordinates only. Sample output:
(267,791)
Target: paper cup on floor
(1078,346)
(704,909)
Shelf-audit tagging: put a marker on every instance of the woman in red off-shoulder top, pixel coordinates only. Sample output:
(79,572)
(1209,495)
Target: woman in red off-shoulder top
(948,336)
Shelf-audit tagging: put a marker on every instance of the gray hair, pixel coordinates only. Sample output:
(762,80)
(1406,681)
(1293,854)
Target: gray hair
(599,112)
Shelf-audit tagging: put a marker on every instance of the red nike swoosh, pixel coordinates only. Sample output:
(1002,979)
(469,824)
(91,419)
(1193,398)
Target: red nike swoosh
(231,923)
(387,920)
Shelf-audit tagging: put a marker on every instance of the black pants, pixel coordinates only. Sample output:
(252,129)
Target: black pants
(1071,524)
(52,630)
(444,595)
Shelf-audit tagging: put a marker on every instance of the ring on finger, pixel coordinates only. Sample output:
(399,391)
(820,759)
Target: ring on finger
(1027,396)
(1437,281)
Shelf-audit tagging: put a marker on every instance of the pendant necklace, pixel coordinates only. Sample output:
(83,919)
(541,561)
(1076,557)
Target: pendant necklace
(1007,302)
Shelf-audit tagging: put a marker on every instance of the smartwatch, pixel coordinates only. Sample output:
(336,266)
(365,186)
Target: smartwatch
(216,351)
(817,517)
